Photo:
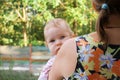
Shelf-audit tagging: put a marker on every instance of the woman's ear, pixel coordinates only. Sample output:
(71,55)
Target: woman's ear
(94,6)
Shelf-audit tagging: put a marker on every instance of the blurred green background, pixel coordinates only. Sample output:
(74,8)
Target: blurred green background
(22,21)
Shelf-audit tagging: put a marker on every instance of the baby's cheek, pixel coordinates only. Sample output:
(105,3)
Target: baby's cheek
(53,52)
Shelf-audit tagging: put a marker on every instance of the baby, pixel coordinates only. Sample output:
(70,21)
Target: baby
(56,32)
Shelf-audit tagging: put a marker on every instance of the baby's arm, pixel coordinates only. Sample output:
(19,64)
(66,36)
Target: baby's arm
(46,69)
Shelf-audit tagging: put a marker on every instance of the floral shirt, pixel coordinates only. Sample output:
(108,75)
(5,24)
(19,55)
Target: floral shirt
(94,62)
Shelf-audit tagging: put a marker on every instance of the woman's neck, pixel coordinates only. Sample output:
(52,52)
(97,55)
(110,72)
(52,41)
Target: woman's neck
(113,36)
(113,29)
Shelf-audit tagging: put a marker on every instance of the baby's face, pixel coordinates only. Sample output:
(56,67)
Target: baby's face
(55,37)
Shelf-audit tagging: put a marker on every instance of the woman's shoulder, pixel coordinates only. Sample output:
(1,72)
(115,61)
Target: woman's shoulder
(91,38)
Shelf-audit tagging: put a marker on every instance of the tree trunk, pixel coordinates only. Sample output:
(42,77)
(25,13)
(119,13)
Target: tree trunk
(25,37)
(75,27)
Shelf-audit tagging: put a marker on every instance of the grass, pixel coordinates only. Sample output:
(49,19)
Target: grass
(16,75)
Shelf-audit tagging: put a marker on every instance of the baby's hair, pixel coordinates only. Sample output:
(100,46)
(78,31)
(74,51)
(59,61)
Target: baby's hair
(105,8)
(60,23)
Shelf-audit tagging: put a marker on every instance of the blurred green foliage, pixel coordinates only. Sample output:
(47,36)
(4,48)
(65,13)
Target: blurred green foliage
(22,21)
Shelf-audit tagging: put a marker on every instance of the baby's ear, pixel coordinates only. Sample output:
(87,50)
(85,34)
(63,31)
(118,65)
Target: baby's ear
(73,35)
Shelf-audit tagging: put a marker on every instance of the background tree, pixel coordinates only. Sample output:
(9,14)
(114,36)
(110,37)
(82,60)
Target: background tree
(22,21)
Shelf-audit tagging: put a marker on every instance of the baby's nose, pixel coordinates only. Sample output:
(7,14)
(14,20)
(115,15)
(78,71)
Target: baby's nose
(58,42)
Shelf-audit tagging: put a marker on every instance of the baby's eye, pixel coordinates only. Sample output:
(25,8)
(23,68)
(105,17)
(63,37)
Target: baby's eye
(52,40)
(62,37)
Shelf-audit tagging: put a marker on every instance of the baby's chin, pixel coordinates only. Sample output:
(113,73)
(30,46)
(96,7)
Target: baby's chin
(56,52)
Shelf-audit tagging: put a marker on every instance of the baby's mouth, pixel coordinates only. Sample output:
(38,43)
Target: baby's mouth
(57,49)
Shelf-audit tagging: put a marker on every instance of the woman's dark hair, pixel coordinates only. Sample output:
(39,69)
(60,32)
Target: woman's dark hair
(105,11)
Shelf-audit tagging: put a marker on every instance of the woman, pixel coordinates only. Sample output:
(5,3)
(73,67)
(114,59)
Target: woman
(95,56)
